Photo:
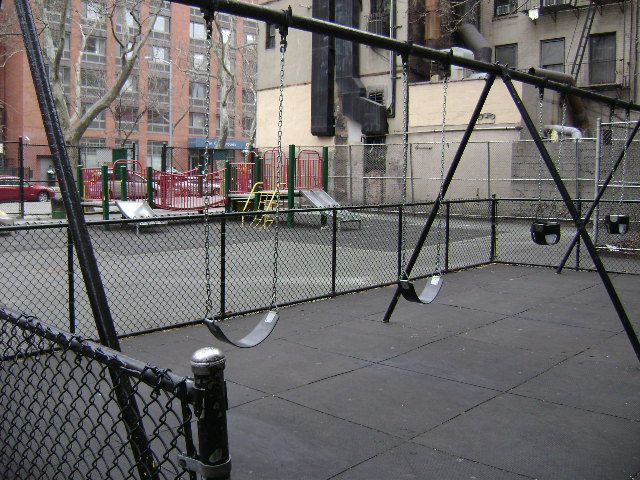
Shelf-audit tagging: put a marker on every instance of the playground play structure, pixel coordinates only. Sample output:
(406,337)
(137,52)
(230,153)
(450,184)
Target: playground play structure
(238,186)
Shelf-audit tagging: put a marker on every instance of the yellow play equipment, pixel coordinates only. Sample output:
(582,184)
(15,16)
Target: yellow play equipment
(266,204)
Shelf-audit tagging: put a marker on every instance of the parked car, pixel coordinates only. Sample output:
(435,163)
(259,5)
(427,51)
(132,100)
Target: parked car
(136,186)
(10,190)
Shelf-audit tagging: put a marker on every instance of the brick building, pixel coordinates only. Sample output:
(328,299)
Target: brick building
(166,87)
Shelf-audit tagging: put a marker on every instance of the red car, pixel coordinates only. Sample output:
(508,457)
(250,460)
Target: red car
(10,191)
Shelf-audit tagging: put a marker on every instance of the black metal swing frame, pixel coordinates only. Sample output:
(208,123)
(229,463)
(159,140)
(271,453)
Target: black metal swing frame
(79,232)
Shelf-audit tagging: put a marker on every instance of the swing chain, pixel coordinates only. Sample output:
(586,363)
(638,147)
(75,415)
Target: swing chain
(274,278)
(405,155)
(540,128)
(208,17)
(442,147)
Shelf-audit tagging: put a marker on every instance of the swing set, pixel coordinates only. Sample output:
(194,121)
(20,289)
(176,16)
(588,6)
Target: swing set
(544,231)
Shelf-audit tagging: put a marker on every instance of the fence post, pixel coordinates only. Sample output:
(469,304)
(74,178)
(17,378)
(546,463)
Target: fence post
(163,158)
(134,151)
(400,239)
(104,175)
(596,180)
(80,180)
(325,169)
(447,211)
(334,250)
(124,177)
(227,185)
(71,283)
(579,207)
(21,175)
(349,176)
(214,462)
(223,266)
(488,169)
(150,187)
(494,232)
(291,184)
(257,170)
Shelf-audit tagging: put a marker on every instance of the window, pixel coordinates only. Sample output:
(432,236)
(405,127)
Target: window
(158,54)
(231,124)
(126,118)
(92,82)
(92,12)
(199,62)
(65,49)
(198,94)
(157,120)
(376,95)
(154,155)
(271,35)
(162,25)
(95,49)
(250,31)
(159,88)
(504,7)
(226,33)
(552,54)
(247,125)
(378,18)
(602,58)
(507,55)
(375,154)
(130,86)
(196,123)
(197,31)
(92,152)
(99,121)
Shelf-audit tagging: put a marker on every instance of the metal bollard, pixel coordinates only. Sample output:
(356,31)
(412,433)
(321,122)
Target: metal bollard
(214,461)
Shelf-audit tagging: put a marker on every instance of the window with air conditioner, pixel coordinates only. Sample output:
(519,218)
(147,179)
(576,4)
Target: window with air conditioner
(505,7)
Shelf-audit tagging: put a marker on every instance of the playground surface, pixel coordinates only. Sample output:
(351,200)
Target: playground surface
(513,373)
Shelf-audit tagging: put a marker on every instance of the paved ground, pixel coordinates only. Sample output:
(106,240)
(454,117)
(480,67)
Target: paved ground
(513,373)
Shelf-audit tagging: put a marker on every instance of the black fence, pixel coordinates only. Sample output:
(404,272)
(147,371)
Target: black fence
(72,409)
(156,279)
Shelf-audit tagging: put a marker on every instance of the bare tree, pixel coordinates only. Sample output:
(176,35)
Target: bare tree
(121,19)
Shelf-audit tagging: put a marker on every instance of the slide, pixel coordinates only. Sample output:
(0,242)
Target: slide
(321,199)
(139,211)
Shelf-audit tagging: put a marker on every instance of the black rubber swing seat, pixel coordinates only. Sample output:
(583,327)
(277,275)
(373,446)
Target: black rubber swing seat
(429,293)
(258,335)
(545,232)
(617,224)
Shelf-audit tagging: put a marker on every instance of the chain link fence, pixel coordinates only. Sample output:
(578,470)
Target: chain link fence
(74,409)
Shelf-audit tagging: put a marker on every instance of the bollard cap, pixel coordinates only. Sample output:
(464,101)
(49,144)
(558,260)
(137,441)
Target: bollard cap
(206,360)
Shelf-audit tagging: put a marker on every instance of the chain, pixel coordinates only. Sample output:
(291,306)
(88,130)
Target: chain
(539,206)
(442,146)
(627,120)
(274,278)
(405,155)
(207,187)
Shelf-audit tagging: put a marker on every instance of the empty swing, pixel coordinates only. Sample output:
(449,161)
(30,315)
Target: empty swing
(543,231)
(435,282)
(268,322)
(618,223)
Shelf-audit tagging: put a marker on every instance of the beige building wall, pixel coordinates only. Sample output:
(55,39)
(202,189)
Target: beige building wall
(296,121)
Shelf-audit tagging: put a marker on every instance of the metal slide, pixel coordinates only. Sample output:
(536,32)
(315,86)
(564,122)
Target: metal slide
(321,199)
(138,211)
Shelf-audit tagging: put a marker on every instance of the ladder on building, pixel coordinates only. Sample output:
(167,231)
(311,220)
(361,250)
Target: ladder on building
(584,40)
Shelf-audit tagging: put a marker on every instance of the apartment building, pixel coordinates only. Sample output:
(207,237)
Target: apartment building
(164,98)
(358,97)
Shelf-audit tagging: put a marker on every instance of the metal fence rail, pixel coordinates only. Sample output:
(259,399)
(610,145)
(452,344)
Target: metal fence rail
(60,415)
(156,279)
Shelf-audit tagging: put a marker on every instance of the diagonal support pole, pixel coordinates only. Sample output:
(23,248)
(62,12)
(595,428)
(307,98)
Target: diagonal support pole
(586,238)
(124,392)
(445,186)
(599,196)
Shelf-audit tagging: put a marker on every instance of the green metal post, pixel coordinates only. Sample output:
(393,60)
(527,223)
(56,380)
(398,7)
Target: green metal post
(124,176)
(150,187)
(291,184)
(227,185)
(325,169)
(104,175)
(257,169)
(80,182)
